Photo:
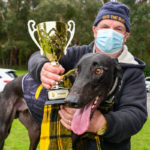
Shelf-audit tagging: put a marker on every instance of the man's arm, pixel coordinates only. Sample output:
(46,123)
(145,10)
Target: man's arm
(35,65)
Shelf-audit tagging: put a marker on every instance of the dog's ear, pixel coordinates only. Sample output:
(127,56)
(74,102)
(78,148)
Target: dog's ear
(118,69)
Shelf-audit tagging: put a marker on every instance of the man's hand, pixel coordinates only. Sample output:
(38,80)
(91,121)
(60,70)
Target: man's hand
(50,74)
(97,121)
(66,114)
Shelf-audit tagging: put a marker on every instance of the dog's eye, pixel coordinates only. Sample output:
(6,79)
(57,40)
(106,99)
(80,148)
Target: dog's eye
(99,71)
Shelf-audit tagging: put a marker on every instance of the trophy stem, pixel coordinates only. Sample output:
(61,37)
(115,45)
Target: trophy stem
(57,85)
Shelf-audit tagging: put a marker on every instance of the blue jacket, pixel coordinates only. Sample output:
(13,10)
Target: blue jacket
(129,112)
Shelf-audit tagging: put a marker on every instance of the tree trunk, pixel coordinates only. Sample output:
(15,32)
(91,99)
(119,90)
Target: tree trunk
(3,59)
(105,1)
(11,58)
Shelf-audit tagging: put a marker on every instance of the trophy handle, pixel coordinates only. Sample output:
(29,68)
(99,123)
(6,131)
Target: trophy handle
(71,33)
(32,29)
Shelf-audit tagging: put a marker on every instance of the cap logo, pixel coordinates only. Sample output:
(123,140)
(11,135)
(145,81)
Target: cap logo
(113,17)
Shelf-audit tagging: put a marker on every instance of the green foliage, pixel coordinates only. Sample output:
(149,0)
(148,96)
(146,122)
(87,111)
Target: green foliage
(16,45)
(82,13)
(139,41)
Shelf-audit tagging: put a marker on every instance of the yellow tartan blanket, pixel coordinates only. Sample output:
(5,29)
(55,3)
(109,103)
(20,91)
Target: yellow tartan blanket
(54,136)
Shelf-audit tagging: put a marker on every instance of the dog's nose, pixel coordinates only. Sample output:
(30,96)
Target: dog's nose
(72,101)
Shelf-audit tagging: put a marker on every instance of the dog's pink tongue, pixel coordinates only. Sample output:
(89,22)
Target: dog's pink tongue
(81,119)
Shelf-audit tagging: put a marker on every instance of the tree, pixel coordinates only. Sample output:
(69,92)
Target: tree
(82,13)
(16,45)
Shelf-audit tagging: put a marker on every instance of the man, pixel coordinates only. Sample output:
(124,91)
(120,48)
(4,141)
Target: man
(111,30)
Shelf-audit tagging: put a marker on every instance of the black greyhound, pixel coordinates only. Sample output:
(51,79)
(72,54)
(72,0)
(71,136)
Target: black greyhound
(97,79)
(13,105)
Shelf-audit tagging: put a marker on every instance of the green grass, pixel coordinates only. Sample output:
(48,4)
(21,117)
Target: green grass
(141,141)
(18,138)
(21,72)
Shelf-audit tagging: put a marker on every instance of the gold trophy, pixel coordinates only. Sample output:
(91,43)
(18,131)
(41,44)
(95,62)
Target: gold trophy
(53,43)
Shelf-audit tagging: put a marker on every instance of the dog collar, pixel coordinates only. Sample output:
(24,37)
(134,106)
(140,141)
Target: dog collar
(114,90)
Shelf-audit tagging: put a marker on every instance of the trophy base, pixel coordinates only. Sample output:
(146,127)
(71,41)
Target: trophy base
(57,96)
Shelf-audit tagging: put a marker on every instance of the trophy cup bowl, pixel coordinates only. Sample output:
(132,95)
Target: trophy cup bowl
(53,42)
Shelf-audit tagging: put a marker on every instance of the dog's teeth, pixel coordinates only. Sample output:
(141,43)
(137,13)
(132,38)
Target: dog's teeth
(93,106)
(95,102)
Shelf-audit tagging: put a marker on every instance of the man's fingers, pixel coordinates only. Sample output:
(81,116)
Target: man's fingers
(48,67)
(69,110)
(48,75)
(47,86)
(62,70)
(68,126)
(65,116)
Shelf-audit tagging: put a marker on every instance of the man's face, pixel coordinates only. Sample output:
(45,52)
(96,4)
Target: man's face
(111,24)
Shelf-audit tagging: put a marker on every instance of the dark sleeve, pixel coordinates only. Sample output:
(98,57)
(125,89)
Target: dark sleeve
(72,57)
(131,111)
(35,64)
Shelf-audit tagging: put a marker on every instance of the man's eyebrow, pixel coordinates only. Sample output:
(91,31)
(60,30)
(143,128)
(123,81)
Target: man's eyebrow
(107,25)
(104,25)
(119,26)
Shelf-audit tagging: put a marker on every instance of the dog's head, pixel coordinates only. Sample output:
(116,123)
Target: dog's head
(96,80)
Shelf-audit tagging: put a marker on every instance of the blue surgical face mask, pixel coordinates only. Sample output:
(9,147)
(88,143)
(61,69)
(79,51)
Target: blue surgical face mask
(109,41)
